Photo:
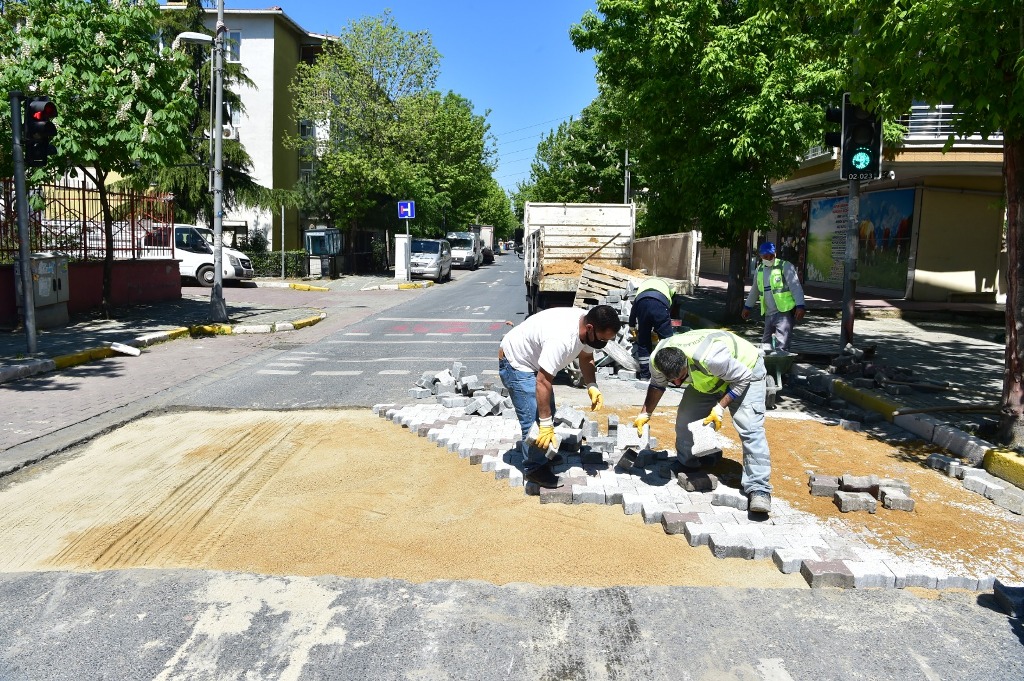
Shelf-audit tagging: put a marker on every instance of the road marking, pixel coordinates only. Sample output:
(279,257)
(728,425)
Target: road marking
(274,372)
(393,372)
(354,333)
(283,364)
(399,334)
(435,319)
(337,373)
(439,334)
(772,669)
(485,335)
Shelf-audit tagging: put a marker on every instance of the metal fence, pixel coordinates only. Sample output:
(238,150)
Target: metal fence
(69,219)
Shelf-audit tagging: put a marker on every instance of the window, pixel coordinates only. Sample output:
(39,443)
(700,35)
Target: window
(306,129)
(305,171)
(233,48)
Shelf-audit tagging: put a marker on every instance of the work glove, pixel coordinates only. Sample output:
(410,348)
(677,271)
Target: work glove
(798,313)
(546,433)
(632,334)
(641,421)
(745,314)
(596,399)
(715,417)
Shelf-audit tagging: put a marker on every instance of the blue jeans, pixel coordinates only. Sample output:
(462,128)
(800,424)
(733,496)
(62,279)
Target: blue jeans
(748,419)
(522,388)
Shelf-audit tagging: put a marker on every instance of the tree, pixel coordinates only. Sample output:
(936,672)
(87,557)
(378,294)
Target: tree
(721,98)
(120,103)
(187,178)
(361,94)
(971,55)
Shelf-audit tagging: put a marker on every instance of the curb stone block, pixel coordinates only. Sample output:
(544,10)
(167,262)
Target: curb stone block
(871,574)
(1011,499)
(855,501)
(906,574)
(971,448)
(824,573)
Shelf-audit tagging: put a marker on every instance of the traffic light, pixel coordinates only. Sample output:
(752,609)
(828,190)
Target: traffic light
(835,138)
(38,130)
(861,143)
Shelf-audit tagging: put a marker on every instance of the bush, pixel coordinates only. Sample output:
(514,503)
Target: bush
(268,264)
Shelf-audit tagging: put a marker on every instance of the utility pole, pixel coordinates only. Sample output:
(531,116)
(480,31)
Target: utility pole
(218,308)
(21,201)
(850,265)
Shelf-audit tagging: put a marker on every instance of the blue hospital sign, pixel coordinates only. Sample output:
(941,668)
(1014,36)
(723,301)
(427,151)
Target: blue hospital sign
(406,210)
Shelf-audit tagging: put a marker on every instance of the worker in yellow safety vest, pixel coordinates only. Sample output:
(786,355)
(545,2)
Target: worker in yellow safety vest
(777,285)
(720,371)
(650,314)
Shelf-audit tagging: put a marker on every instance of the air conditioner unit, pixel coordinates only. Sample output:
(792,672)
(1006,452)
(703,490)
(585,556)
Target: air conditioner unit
(229,132)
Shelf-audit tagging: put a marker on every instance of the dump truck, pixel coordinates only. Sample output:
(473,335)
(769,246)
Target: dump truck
(560,238)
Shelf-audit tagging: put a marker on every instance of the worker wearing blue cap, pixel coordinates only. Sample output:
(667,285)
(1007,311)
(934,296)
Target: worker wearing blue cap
(783,305)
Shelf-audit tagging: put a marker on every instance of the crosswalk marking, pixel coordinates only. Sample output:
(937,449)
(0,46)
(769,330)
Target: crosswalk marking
(283,364)
(275,372)
(394,372)
(358,333)
(485,335)
(337,373)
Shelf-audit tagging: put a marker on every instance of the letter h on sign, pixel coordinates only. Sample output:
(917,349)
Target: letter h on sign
(406,210)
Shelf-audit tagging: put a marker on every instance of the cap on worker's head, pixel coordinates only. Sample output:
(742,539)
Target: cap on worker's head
(767,248)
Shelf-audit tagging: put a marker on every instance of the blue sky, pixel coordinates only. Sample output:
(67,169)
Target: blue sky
(512,58)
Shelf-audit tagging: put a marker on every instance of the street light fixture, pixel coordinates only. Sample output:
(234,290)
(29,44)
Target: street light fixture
(218,308)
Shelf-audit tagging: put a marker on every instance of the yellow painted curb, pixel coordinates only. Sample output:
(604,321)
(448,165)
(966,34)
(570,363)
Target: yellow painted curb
(179,332)
(308,321)
(863,400)
(210,330)
(307,287)
(1006,464)
(76,358)
(416,285)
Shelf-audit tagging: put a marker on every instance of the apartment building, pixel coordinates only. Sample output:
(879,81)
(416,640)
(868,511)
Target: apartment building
(269,45)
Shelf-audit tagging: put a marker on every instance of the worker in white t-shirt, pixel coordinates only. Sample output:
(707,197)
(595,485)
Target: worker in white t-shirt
(530,356)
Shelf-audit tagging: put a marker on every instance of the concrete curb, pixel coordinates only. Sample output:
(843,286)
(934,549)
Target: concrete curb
(404,286)
(33,367)
(291,285)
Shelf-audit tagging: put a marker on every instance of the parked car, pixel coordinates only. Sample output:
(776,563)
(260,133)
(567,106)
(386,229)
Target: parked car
(467,249)
(193,249)
(431,259)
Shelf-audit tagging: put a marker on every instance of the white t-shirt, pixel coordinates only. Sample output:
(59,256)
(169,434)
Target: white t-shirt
(548,340)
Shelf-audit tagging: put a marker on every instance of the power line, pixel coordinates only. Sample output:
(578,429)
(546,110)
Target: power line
(535,125)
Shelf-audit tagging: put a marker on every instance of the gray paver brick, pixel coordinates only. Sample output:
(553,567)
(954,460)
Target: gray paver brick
(825,573)
(857,483)
(632,503)
(724,545)
(788,560)
(556,495)
(727,496)
(585,494)
(896,499)
(697,481)
(855,501)
(871,574)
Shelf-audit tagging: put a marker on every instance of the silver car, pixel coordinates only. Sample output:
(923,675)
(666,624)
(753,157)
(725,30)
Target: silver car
(431,259)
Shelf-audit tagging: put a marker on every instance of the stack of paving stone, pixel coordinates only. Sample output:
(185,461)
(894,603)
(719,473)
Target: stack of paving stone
(979,481)
(827,554)
(861,492)
(453,388)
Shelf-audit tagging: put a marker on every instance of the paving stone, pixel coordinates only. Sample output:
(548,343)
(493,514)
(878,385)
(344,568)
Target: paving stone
(825,573)
(570,417)
(724,545)
(788,560)
(857,483)
(515,478)
(891,483)
(896,500)
(967,582)
(531,489)
(980,482)
(613,494)
(823,485)
(675,523)
(1010,596)
(585,494)
(627,437)
(613,423)
(705,440)
(605,445)
(591,429)
(632,503)
(652,511)
(727,496)
(455,401)
(854,501)
(556,495)
(853,426)
(910,574)
(1011,498)
(871,574)
(697,481)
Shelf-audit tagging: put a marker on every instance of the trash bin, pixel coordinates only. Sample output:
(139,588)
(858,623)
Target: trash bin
(329,266)
(323,246)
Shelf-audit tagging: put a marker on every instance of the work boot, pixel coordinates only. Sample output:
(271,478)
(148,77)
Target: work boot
(760,502)
(543,476)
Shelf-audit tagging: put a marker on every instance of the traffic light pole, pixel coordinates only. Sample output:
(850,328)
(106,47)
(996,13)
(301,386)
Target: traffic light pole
(21,200)
(218,308)
(850,265)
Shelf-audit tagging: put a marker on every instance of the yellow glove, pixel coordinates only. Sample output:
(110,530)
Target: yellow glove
(596,399)
(641,421)
(632,334)
(546,433)
(715,417)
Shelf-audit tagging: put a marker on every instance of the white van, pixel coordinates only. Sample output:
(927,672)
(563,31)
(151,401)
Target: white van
(193,249)
(467,249)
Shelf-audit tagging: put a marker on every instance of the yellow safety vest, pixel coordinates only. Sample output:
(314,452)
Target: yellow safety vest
(656,284)
(779,289)
(696,344)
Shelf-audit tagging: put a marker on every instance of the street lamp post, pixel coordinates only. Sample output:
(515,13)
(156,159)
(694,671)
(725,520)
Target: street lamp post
(218,308)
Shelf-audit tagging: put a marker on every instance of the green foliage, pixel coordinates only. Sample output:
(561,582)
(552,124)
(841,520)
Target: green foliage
(268,264)
(720,98)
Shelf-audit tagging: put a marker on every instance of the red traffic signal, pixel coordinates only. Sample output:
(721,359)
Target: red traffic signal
(38,130)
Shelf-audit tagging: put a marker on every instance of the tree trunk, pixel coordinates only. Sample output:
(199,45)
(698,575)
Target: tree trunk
(1011,423)
(734,294)
(108,237)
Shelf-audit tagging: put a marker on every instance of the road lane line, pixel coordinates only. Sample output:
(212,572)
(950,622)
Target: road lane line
(337,373)
(274,372)
(435,319)
(361,333)
(283,364)
(438,334)
(423,342)
(394,372)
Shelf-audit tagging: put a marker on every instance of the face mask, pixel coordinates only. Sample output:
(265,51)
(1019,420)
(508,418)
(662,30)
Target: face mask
(595,342)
